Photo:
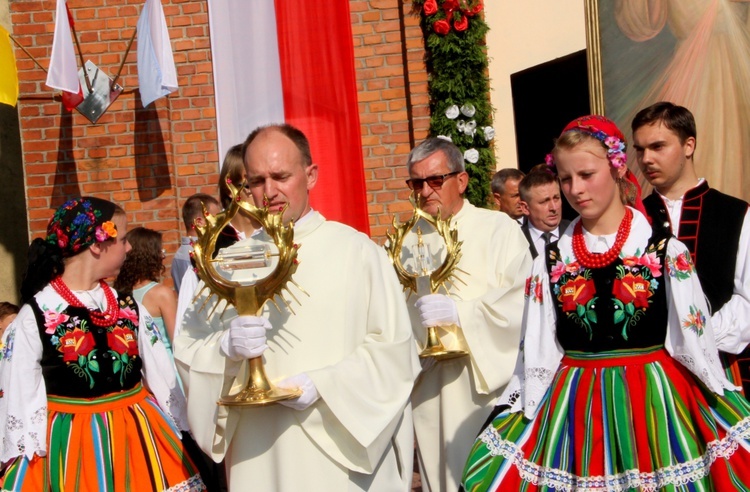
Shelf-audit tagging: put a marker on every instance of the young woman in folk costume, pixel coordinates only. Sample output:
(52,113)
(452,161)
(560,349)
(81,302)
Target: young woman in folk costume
(618,384)
(90,399)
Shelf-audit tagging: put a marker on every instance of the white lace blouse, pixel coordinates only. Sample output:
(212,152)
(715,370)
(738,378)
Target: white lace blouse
(23,400)
(540,353)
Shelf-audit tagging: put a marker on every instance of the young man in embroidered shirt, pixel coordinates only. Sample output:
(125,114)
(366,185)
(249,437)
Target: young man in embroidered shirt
(715,227)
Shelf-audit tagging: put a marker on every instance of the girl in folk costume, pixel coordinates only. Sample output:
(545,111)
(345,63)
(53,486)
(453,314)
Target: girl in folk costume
(89,395)
(618,384)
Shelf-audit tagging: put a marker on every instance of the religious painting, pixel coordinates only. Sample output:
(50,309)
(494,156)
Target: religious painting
(694,53)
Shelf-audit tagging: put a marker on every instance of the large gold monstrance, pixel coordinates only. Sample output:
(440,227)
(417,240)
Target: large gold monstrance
(427,267)
(248,276)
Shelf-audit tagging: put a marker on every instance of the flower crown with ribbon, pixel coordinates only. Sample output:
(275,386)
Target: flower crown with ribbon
(81,222)
(602,129)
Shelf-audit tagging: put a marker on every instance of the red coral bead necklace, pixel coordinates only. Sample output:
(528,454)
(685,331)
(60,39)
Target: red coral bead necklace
(99,318)
(591,260)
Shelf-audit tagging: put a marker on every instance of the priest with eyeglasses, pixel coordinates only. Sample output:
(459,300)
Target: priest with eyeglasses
(453,397)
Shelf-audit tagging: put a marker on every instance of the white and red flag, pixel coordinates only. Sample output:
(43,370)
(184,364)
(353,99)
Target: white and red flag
(157,75)
(63,69)
(290,61)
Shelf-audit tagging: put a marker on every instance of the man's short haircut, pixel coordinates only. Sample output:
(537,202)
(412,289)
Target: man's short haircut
(290,132)
(677,118)
(538,176)
(432,145)
(503,175)
(193,208)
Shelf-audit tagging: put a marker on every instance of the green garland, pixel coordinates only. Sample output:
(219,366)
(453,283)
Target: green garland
(458,85)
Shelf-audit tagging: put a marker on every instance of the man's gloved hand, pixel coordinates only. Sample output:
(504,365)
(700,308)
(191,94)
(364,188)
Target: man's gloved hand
(245,338)
(437,310)
(302,382)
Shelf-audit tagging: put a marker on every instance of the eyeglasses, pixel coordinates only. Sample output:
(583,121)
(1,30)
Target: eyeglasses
(434,182)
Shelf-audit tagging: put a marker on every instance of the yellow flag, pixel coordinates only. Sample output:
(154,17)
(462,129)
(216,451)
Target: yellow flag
(8,70)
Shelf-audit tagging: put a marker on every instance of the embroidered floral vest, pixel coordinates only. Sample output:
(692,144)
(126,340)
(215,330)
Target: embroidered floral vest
(620,306)
(82,360)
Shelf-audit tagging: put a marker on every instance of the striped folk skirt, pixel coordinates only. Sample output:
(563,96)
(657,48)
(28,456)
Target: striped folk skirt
(120,442)
(618,421)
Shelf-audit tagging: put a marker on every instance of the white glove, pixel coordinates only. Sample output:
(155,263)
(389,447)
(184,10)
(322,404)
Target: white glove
(302,382)
(245,338)
(437,310)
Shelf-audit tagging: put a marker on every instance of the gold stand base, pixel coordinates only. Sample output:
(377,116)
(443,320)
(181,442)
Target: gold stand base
(251,397)
(442,354)
(258,391)
(437,350)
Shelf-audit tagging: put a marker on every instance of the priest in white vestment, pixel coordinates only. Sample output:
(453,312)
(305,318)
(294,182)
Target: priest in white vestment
(452,398)
(348,347)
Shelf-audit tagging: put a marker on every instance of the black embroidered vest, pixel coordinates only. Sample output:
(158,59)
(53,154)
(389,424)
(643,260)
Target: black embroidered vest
(620,306)
(710,226)
(82,360)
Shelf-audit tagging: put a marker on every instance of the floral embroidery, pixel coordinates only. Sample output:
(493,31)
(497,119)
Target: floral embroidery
(122,341)
(576,291)
(681,267)
(76,343)
(54,318)
(6,349)
(129,314)
(534,288)
(695,321)
(72,337)
(635,283)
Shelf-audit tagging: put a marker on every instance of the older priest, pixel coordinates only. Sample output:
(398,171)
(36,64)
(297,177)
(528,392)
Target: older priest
(348,347)
(453,397)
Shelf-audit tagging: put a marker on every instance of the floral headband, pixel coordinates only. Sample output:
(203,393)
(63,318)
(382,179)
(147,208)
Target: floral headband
(602,129)
(81,222)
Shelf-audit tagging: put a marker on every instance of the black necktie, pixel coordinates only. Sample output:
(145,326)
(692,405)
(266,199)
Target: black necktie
(547,236)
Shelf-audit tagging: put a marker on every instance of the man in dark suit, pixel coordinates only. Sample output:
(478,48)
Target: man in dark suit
(542,209)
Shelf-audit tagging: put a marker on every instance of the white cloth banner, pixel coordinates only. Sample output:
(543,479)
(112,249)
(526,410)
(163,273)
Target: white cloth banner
(63,69)
(247,72)
(157,75)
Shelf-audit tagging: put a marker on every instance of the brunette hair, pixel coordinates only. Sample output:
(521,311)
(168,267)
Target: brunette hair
(193,208)
(233,168)
(8,308)
(677,118)
(539,175)
(144,261)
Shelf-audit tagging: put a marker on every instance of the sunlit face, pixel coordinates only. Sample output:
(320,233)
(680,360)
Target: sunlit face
(661,156)
(587,179)
(277,176)
(544,206)
(112,252)
(510,200)
(448,197)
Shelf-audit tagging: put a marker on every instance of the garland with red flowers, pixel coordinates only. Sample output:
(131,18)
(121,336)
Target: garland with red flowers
(458,85)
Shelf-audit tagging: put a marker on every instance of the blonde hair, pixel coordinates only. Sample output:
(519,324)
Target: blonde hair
(572,139)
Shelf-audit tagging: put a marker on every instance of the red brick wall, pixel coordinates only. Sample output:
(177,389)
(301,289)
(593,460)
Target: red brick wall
(149,160)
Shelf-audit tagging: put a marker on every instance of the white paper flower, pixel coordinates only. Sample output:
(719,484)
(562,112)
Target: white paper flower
(471,155)
(445,137)
(468,110)
(452,112)
(470,128)
(489,133)
(460,125)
